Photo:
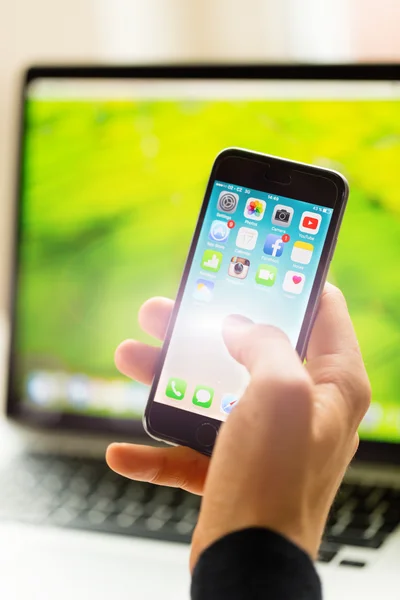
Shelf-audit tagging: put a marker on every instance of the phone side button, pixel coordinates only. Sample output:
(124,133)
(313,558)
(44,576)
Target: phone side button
(206,435)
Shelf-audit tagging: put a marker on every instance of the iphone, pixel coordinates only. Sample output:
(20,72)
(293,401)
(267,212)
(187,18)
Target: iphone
(263,243)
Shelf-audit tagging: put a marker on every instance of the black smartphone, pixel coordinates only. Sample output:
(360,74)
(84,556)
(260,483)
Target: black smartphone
(262,246)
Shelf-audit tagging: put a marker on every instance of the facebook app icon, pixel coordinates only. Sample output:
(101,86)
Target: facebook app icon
(273,245)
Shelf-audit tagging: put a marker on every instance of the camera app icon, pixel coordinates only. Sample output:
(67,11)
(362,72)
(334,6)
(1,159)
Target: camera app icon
(227,202)
(282,215)
(239,267)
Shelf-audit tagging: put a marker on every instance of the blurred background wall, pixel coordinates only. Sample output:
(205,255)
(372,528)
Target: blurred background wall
(133,31)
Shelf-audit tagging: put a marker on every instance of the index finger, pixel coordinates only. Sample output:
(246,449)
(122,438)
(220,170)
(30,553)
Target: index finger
(334,357)
(333,331)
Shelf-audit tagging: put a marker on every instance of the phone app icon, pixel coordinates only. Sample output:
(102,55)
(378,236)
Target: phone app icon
(203,290)
(254,209)
(273,245)
(228,403)
(203,396)
(227,202)
(293,282)
(282,215)
(310,222)
(219,232)
(211,260)
(302,252)
(246,238)
(239,267)
(266,275)
(176,388)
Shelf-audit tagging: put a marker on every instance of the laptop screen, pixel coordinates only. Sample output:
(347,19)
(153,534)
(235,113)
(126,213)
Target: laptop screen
(113,175)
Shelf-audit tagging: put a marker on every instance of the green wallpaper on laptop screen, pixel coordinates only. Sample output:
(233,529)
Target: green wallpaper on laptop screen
(111,195)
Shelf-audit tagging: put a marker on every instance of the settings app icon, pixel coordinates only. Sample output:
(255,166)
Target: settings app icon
(227,202)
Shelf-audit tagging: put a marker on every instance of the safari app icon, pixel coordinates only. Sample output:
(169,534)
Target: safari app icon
(228,403)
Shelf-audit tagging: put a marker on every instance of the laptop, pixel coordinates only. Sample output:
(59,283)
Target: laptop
(113,164)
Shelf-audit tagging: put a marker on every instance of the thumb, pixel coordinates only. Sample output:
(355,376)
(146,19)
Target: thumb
(264,444)
(264,350)
(280,388)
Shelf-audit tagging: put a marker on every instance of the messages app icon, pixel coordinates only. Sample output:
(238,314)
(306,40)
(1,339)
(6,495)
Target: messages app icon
(203,396)
(211,260)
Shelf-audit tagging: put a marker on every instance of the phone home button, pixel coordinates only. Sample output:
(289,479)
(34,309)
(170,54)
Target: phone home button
(206,435)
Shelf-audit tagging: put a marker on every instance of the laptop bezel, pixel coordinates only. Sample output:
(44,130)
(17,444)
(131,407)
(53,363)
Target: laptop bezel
(15,409)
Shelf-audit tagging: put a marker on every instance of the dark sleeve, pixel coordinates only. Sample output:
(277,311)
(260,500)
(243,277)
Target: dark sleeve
(255,564)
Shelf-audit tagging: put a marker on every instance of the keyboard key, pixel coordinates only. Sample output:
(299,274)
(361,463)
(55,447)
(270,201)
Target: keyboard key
(107,489)
(188,508)
(84,493)
(136,492)
(362,491)
(392,495)
(102,504)
(358,564)
(125,520)
(343,494)
(184,527)
(387,528)
(155,524)
(360,521)
(62,516)
(351,537)
(132,508)
(391,516)
(79,485)
(96,517)
(75,501)
(326,556)
(163,512)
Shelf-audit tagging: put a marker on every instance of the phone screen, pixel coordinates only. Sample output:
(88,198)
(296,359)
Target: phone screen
(257,255)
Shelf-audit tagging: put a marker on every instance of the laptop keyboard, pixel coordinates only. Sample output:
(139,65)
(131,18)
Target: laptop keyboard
(84,494)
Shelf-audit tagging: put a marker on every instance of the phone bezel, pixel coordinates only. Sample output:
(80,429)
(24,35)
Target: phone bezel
(248,169)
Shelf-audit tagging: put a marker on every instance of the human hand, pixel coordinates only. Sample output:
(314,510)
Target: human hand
(172,466)
(298,422)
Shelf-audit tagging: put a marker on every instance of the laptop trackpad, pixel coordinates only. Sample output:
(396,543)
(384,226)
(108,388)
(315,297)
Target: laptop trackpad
(38,563)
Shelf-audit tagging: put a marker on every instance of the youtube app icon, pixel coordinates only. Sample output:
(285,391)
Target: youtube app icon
(310,222)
